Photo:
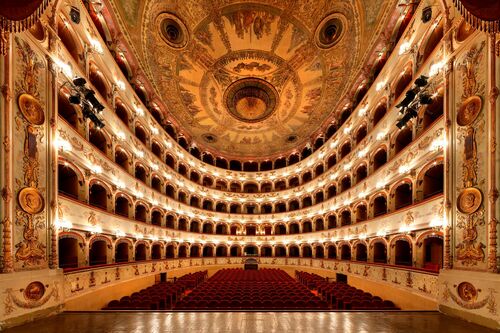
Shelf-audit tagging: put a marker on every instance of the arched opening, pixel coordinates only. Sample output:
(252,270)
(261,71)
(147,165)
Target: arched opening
(361,134)
(250,230)
(379,206)
(319,225)
(235,251)
(140,213)
(332,160)
(402,83)
(194,251)
(208,251)
(207,182)
(280,251)
(320,252)
(332,221)
(208,228)
(98,196)
(307,226)
(266,187)
(433,181)
(68,252)
(280,229)
(361,173)
(319,197)
(266,165)
(170,161)
(345,218)
(361,213)
(221,207)
(307,201)
(294,228)
(156,218)
(122,206)
(156,252)
(330,131)
(98,253)
(221,163)
(433,253)
(67,110)
(221,251)
(235,208)
(208,204)
(332,191)
(140,173)
(280,163)
(170,251)
(360,93)
(319,170)
(235,165)
(66,35)
(208,158)
(404,138)
(293,182)
(345,149)
(170,129)
(379,113)
(306,251)
(280,185)
(182,224)
(344,116)
(221,229)
(403,253)
(141,134)
(182,251)
(156,183)
(306,177)
(182,197)
(361,253)
(403,196)
(141,92)
(121,252)
(194,177)
(221,185)
(97,80)
(266,251)
(345,252)
(122,113)
(194,202)
(318,143)
(332,252)
(170,191)
(379,253)
(345,183)
(379,159)
(170,221)
(156,113)
(250,166)
(156,149)
(182,169)
(293,251)
(67,181)
(432,41)
(250,188)
(121,158)
(432,112)
(97,138)
(194,226)
(306,152)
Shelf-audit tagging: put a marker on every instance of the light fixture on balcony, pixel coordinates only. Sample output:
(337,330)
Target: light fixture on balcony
(416,97)
(85,98)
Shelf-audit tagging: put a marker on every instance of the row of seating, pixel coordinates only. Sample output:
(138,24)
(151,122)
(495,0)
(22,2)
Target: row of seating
(160,296)
(263,289)
(341,296)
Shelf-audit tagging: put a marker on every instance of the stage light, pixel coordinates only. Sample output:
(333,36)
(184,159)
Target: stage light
(425,99)
(75,99)
(409,97)
(421,81)
(79,81)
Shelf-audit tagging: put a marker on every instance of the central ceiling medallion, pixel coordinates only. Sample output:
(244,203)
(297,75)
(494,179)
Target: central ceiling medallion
(251,99)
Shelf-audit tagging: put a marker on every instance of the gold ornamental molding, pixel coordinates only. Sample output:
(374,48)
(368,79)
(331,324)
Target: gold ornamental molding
(481,14)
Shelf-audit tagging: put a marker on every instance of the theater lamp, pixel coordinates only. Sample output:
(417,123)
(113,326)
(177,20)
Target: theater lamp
(416,97)
(85,98)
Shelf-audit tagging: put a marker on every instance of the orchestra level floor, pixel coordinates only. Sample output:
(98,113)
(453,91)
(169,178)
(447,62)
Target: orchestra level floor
(224,322)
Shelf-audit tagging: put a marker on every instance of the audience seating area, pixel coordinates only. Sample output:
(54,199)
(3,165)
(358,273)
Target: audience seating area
(263,289)
(341,296)
(161,296)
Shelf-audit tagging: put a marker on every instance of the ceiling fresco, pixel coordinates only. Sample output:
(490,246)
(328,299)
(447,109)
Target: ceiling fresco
(251,79)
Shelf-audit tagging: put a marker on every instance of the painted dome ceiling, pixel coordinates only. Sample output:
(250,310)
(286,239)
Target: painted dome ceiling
(251,79)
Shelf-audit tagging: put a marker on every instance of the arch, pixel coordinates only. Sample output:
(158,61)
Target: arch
(182,251)
(182,224)
(208,227)
(170,161)
(280,251)
(430,181)
(345,252)
(122,112)
(266,251)
(69,246)
(141,173)
(403,139)
(221,251)
(98,250)
(122,158)
(221,229)
(361,253)
(279,229)
(293,251)
(332,160)
(235,251)
(156,250)
(208,250)
(170,221)
(403,81)
(69,181)
(250,187)
(379,204)
(379,112)
(379,251)
(195,251)
(307,226)
(123,246)
(332,191)
(345,149)
(141,133)
(141,212)
(157,149)
(194,226)
(436,35)
(402,250)
(361,133)
(307,251)
(402,194)
(140,251)
(170,251)
(345,183)
(294,228)
(156,217)
(361,212)
(98,80)
(156,183)
(98,194)
(332,251)
(122,204)
(67,110)
(332,221)
(68,38)
(379,158)
(99,139)
(319,251)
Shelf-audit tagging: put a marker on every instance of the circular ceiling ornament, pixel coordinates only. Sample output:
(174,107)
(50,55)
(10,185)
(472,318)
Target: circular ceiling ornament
(209,137)
(251,99)
(173,31)
(330,30)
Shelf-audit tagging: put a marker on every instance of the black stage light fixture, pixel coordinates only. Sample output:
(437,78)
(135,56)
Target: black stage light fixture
(421,81)
(75,99)
(411,113)
(426,14)
(409,97)
(79,81)
(74,14)
(425,99)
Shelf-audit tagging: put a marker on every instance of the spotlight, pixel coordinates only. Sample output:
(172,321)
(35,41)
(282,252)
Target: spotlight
(425,99)
(426,14)
(75,99)
(421,81)
(79,81)
(410,96)
(400,124)
(411,113)
(74,14)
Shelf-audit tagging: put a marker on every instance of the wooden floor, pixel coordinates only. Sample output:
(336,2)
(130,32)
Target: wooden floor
(194,322)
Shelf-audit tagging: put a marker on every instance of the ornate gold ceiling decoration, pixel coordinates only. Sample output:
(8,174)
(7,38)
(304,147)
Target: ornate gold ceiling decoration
(293,60)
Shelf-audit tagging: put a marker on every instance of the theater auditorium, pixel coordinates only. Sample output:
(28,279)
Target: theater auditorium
(249,166)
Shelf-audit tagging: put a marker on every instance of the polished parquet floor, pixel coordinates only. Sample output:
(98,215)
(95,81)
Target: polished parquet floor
(249,322)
